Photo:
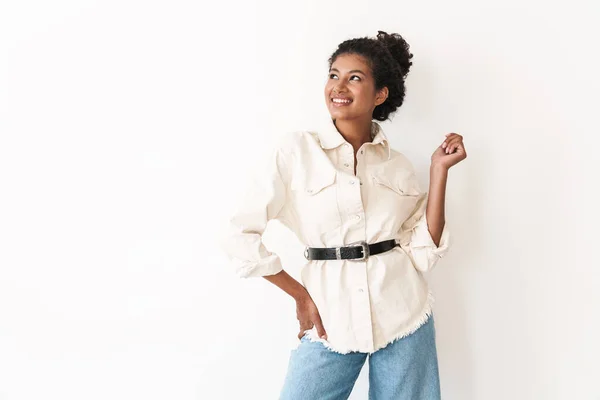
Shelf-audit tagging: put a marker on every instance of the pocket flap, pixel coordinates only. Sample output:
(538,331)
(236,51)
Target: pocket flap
(313,183)
(400,180)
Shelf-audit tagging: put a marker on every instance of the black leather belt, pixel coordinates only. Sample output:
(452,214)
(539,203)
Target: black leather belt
(357,251)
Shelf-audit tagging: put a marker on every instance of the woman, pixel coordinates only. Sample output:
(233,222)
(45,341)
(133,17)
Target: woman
(370,232)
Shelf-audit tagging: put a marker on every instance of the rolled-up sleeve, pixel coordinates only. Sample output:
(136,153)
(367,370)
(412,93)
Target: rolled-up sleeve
(263,200)
(416,240)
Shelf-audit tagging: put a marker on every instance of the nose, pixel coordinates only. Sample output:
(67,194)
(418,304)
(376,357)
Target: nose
(339,88)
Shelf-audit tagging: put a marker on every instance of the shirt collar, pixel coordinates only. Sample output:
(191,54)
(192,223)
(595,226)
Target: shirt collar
(330,138)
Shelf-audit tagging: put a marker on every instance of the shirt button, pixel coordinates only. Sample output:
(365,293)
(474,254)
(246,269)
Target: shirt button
(346,165)
(360,290)
(357,216)
(352,182)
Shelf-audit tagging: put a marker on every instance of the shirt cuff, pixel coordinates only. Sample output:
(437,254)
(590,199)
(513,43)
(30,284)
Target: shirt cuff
(422,238)
(269,265)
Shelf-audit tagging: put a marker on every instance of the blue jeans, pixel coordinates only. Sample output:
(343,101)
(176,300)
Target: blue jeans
(406,369)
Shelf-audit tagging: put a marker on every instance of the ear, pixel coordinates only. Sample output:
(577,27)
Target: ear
(381,96)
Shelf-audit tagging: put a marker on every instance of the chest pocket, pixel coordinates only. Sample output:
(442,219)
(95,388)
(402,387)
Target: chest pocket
(396,189)
(314,194)
(399,180)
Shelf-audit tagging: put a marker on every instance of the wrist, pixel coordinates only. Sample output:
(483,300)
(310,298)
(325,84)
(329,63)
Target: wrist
(301,296)
(436,168)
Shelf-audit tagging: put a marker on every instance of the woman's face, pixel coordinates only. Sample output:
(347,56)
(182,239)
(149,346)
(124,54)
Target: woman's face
(351,84)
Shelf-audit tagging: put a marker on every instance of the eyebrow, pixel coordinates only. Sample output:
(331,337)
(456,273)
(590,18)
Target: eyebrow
(354,70)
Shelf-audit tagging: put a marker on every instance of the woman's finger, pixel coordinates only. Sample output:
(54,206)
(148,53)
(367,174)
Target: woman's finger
(449,136)
(451,145)
(457,146)
(302,332)
(320,329)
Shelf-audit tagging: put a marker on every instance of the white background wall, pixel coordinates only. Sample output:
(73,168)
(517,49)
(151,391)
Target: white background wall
(128,129)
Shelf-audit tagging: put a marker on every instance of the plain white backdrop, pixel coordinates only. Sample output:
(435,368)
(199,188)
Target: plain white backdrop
(129,128)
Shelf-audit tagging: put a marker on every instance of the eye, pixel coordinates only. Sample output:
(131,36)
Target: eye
(353,76)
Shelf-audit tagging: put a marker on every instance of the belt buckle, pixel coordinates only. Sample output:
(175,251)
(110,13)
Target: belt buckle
(365,250)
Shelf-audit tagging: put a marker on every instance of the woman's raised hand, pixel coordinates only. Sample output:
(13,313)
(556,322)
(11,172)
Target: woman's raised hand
(450,152)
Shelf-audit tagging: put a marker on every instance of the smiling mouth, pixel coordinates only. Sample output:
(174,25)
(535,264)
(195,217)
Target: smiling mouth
(341,102)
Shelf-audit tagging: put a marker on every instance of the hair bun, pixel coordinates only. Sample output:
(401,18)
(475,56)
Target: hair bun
(398,48)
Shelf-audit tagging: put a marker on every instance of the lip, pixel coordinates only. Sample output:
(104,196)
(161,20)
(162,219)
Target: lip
(341,98)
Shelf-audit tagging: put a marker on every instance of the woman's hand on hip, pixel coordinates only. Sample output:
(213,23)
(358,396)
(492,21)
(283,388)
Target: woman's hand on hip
(308,316)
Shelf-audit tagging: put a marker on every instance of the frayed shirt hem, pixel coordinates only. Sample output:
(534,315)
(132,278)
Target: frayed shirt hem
(423,317)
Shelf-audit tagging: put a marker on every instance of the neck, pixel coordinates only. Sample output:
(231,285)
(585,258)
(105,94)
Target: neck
(354,131)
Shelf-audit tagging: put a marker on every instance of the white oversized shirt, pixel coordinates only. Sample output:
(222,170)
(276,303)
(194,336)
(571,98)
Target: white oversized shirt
(309,186)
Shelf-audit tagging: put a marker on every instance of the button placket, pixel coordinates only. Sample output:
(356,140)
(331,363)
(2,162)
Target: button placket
(363,311)
(349,158)
(352,208)
(359,161)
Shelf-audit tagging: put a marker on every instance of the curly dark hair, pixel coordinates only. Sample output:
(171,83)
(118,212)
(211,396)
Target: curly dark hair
(388,57)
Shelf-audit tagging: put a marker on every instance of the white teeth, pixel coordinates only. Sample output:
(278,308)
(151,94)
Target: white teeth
(341,101)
